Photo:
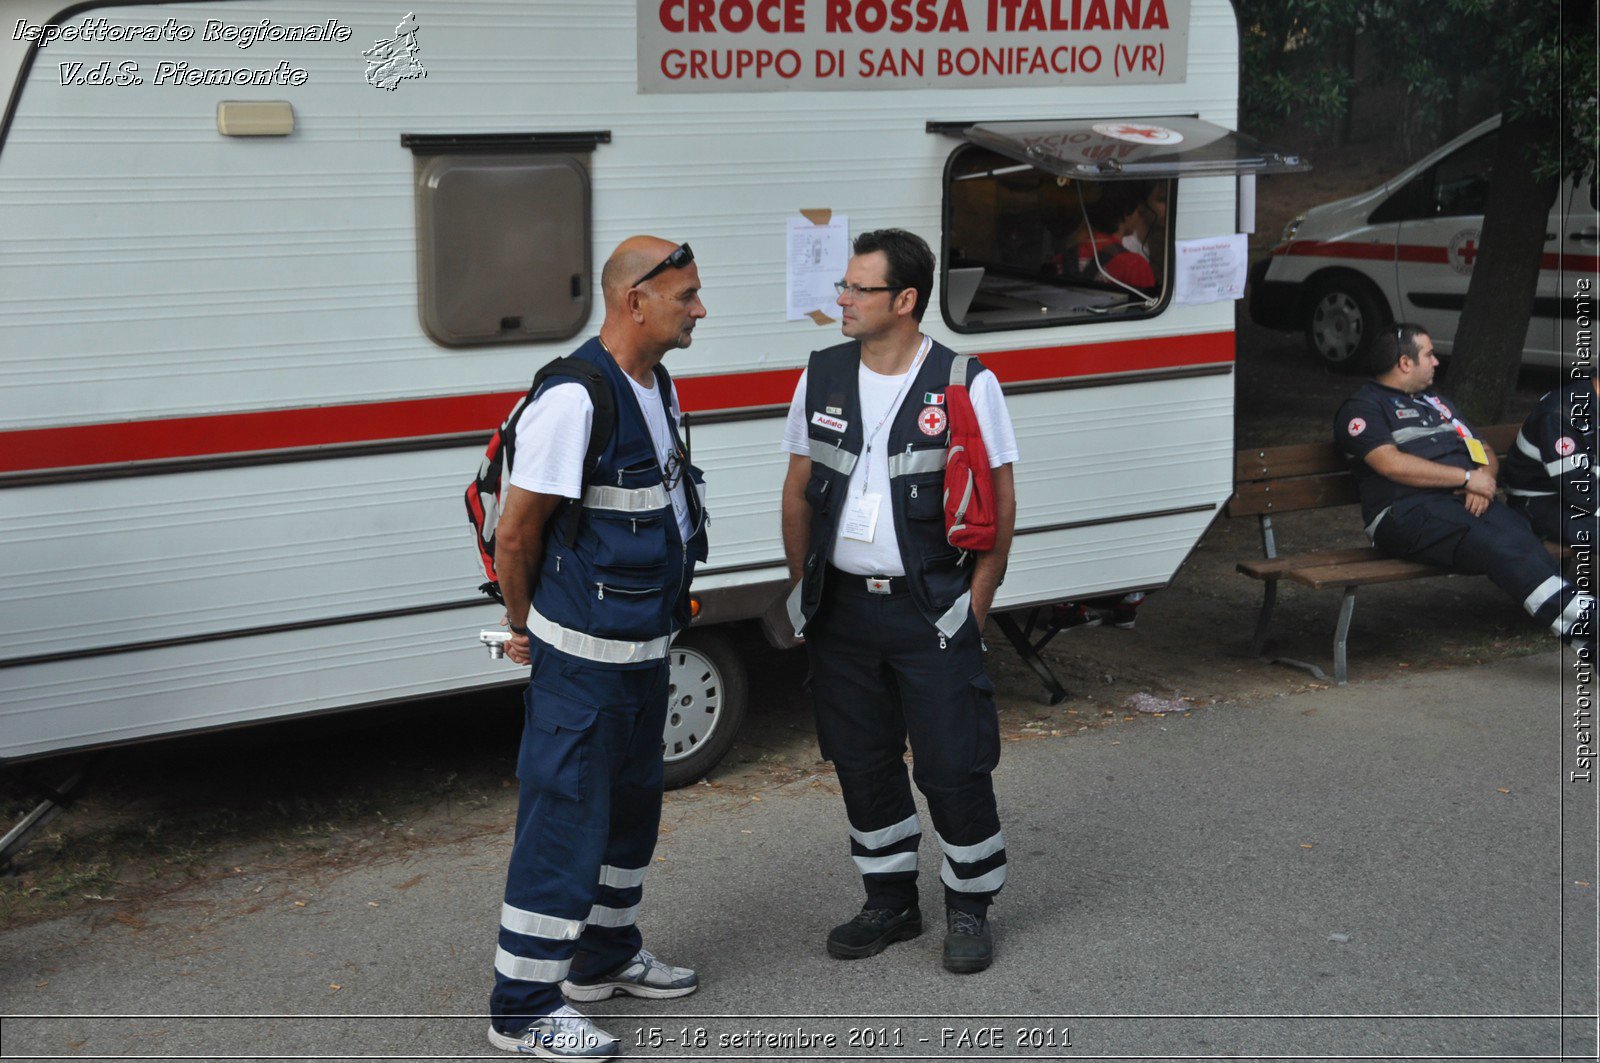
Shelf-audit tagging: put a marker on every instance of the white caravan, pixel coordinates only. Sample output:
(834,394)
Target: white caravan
(271,272)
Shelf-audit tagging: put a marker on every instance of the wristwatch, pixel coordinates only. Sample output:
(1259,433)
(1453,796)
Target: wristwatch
(518,629)
(1468,481)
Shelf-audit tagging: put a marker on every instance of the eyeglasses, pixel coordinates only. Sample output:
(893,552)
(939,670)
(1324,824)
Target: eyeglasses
(672,475)
(856,291)
(680,257)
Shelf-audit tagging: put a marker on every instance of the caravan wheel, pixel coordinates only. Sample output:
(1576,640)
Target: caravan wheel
(706,697)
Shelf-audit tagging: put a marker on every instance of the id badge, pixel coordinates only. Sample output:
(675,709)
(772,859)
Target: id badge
(1475,448)
(861,519)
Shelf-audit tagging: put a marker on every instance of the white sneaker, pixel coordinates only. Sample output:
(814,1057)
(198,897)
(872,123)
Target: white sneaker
(642,976)
(563,1034)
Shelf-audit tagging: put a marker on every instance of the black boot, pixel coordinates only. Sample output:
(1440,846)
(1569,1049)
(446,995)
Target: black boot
(872,931)
(968,947)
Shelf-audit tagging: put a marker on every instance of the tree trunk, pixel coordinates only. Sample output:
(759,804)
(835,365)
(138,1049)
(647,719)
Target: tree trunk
(1494,323)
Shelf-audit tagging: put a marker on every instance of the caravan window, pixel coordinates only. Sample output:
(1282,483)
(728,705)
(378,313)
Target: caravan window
(1025,248)
(503,249)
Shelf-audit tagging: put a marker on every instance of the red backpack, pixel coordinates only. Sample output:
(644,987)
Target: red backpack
(969,506)
(483,493)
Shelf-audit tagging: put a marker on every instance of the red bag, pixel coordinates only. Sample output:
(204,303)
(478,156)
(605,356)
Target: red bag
(969,506)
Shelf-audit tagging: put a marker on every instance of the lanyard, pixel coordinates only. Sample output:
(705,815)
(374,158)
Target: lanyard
(1455,422)
(894,404)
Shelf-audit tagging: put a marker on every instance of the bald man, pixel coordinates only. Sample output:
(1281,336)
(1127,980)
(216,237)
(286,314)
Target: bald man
(594,564)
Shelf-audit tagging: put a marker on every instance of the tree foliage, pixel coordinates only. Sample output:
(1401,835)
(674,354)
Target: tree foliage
(1299,60)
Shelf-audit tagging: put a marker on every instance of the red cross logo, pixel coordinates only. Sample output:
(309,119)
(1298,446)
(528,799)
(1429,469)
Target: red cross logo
(1565,446)
(1462,251)
(931,421)
(1138,134)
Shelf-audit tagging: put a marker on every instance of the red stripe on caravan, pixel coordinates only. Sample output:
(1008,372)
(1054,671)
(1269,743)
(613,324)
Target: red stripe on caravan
(736,391)
(76,446)
(246,433)
(1121,356)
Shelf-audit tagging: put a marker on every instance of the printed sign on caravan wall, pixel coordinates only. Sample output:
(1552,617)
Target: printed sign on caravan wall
(785,45)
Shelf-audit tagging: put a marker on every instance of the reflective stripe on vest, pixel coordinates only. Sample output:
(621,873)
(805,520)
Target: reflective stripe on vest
(836,458)
(955,616)
(1410,435)
(910,463)
(591,648)
(797,615)
(626,500)
(1556,469)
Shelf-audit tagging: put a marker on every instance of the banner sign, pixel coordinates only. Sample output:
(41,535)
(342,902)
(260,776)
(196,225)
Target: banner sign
(787,45)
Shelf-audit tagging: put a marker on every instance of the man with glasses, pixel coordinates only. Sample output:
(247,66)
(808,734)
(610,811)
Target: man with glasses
(892,614)
(1427,486)
(595,551)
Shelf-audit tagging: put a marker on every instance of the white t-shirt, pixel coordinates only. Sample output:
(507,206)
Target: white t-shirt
(881,556)
(553,435)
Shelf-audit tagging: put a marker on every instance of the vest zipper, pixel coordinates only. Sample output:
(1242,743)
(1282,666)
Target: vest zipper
(913,490)
(626,592)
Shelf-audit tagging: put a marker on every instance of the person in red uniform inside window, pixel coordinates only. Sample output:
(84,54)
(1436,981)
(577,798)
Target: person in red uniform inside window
(1100,252)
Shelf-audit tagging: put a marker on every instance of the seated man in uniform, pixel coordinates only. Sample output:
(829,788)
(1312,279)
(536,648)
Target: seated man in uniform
(1550,472)
(1428,486)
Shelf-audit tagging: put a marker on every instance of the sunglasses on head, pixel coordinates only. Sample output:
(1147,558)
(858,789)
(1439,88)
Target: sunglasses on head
(681,256)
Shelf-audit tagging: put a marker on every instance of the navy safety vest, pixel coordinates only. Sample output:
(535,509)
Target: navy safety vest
(937,578)
(1416,426)
(1555,449)
(614,582)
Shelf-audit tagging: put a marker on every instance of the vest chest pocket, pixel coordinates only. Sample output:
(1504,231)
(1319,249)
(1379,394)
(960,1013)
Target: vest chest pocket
(819,493)
(924,498)
(637,471)
(634,545)
(945,576)
(627,608)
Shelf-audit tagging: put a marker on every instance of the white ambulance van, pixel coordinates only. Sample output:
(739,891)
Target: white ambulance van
(270,273)
(1404,251)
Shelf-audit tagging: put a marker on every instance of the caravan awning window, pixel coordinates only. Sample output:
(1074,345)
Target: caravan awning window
(1126,149)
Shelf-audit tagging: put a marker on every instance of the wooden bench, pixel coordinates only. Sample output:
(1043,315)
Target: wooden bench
(1273,480)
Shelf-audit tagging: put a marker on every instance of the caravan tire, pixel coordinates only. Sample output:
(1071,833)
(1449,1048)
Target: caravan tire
(706,697)
(1344,314)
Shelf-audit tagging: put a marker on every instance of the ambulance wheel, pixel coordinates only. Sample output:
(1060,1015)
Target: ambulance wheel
(1345,315)
(706,695)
